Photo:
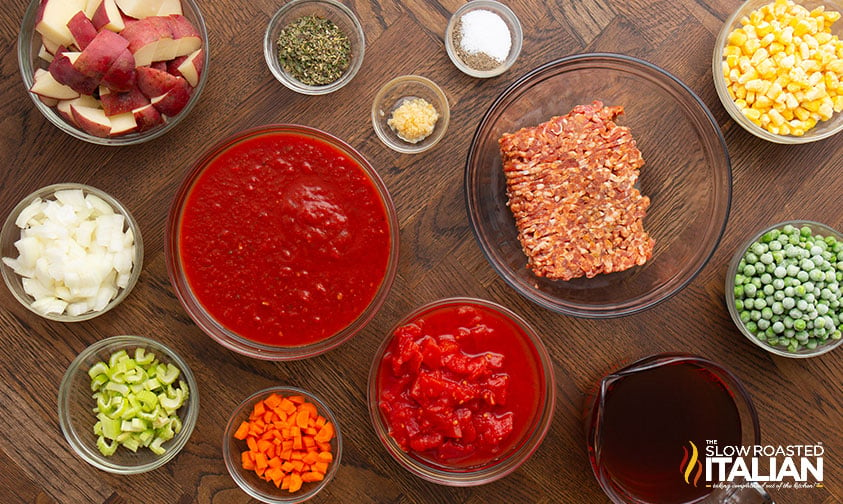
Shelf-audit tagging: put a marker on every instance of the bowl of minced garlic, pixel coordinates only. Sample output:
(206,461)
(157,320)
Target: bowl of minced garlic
(778,69)
(410,114)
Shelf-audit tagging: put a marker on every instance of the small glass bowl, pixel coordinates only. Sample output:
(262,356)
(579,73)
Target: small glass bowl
(392,95)
(823,129)
(506,15)
(12,233)
(77,420)
(251,483)
(816,229)
(205,319)
(333,10)
(29,43)
(534,431)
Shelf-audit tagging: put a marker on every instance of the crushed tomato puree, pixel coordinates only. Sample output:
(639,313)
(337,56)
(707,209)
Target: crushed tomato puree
(459,386)
(284,239)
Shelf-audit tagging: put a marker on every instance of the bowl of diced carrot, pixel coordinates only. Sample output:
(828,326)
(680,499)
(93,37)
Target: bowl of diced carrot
(282,445)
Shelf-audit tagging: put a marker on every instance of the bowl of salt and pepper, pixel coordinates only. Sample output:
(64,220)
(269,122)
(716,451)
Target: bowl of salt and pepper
(483,38)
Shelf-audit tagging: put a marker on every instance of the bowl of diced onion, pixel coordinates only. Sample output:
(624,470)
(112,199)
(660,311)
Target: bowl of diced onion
(778,66)
(127,404)
(70,252)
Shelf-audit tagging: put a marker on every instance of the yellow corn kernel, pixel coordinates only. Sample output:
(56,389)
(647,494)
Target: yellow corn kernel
(775,117)
(737,38)
(826,109)
(835,66)
(750,97)
(801,114)
(732,50)
(812,106)
(837,102)
(740,92)
(751,45)
(803,26)
(762,102)
(741,103)
(752,114)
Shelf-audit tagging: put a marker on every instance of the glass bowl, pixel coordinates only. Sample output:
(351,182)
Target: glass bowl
(75,406)
(687,175)
(823,129)
(248,480)
(780,309)
(510,346)
(11,233)
(340,15)
(508,17)
(395,93)
(29,46)
(310,208)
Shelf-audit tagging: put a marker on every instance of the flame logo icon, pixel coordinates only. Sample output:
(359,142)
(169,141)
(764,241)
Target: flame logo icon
(690,462)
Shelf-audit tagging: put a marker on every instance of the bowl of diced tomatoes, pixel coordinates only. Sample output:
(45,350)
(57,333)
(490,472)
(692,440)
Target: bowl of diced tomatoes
(282,445)
(461,392)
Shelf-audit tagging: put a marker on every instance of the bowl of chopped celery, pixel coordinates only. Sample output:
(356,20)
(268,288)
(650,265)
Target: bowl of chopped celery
(783,288)
(128,404)
(70,252)
(777,66)
(410,114)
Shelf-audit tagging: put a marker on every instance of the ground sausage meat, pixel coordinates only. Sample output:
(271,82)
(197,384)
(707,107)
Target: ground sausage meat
(570,185)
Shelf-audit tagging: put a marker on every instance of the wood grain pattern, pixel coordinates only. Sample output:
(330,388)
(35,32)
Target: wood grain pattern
(798,401)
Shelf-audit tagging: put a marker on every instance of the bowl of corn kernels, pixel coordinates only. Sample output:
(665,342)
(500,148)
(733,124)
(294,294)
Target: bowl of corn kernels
(778,69)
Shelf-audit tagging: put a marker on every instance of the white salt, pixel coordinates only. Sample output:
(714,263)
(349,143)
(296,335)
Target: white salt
(483,31)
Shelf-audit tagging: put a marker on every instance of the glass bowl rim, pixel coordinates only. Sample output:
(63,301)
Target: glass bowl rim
(201,317)
(599,311)
(532,439)
(126,341)
(46,192)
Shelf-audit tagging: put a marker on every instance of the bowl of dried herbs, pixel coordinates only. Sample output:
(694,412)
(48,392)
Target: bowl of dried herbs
(314,46)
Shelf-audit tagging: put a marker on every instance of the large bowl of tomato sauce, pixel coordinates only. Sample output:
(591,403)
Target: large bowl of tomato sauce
(461,392)
(282,242)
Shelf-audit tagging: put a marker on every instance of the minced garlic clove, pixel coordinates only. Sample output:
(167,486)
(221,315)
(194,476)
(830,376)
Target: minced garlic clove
(414,120)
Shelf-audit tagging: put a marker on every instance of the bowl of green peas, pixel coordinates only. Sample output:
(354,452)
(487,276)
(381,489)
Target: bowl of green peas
(784,288)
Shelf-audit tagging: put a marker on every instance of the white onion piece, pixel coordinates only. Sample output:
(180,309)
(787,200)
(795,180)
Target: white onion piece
(73,253)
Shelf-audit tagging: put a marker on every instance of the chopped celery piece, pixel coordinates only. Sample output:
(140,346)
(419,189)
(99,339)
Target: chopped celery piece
(105,447)
(136,401)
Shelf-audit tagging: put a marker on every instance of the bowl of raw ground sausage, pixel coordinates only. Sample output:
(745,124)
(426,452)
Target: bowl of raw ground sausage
(598,185)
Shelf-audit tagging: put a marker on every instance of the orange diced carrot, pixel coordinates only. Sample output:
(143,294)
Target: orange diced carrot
(311,476)
(325,434)
(297,399)
(302,418)
(272,401)
(326,456)
(259,409)
(321,467)
(311,410)
(320,421)
(247,460)
(287,406)
(252,443)
(260,461)
(242,431)
(285,483)
(310,458)
(295,483)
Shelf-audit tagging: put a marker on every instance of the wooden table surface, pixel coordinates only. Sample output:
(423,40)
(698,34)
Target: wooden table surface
(799,401)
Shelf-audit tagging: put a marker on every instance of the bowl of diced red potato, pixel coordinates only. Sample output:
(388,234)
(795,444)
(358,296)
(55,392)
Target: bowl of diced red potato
(113,72)
(778,69)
